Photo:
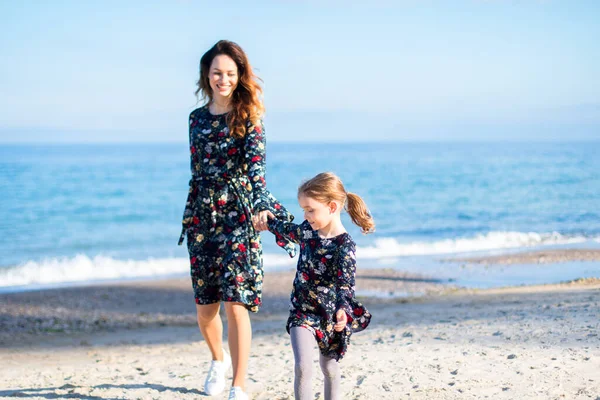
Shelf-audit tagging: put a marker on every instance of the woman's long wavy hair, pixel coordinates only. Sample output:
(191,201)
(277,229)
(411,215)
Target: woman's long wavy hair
(327,187)
(245,99)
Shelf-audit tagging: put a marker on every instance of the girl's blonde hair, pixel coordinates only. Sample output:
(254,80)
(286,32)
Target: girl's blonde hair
(327,187)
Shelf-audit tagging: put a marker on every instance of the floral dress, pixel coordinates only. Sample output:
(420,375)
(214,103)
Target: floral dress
(227,186)
(324,283)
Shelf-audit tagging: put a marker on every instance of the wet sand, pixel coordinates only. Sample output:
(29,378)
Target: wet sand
(135,305)
(535,257)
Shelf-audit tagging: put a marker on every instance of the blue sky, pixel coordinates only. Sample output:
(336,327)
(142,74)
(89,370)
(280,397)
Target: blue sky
(387,70)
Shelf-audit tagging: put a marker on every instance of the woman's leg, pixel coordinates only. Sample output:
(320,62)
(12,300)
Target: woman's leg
(239,333)
(211,326)
(331,375)
(303,343)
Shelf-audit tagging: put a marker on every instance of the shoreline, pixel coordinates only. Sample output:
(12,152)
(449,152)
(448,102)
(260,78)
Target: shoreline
(142,303)
(551,256)
(510,257)
(160,302)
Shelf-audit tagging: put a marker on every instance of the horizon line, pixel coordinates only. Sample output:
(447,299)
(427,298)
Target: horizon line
(333,141)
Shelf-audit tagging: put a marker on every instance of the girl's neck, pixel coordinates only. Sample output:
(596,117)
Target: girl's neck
(219,106)
(334,229)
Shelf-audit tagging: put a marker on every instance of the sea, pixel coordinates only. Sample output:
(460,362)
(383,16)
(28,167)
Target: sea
(73,214)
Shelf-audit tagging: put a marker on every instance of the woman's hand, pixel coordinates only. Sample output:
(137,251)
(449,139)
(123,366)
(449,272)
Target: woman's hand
(342,319)
(259,220)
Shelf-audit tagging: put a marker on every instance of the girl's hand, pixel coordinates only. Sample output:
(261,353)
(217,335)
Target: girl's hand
(259,220)
(342,319)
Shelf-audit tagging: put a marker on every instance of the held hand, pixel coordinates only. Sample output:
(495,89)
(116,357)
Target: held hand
(259,220)
(342,319)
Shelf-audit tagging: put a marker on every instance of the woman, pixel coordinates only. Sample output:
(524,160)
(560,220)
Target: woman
(226,208)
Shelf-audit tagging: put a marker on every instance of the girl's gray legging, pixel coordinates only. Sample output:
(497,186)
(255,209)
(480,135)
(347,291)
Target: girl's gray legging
(303,343)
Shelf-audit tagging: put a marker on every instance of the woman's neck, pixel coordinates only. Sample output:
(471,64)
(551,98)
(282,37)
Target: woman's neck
(219,106)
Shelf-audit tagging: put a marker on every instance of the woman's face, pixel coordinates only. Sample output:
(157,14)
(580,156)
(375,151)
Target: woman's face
(223,77)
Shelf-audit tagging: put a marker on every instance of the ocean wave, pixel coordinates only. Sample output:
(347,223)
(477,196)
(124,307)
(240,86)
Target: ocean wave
(390,247)
(83,269)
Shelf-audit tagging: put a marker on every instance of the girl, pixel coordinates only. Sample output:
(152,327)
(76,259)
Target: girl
(227,146)
(323,307)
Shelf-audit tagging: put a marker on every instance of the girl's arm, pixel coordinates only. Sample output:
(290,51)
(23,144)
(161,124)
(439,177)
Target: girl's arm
(285,230)
(346,278)
(255,153)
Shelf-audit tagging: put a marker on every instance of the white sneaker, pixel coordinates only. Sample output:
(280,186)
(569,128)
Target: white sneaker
(215,380)
(236,393)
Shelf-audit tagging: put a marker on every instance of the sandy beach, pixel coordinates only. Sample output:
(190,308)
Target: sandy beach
(139,340)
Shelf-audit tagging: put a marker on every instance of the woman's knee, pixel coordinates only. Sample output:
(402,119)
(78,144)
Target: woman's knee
(236,311)
(207,312)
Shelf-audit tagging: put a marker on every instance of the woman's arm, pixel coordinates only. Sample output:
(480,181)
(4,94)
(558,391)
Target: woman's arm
(255,158)
(194,168)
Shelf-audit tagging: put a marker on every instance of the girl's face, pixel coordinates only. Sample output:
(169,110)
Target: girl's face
(223,77)
(319,215)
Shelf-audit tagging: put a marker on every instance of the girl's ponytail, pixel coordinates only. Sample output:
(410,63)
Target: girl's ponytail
(359,213)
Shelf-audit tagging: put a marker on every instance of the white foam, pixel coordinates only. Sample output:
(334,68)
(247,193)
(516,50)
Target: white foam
(83,269)
(278,261)
(390,247)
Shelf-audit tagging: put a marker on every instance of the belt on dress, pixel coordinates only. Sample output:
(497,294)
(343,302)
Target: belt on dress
(233,181)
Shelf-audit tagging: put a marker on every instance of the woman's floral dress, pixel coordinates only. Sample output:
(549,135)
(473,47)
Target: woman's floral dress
(324,283)
(227,186)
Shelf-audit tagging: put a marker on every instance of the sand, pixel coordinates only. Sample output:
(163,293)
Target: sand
(138,340)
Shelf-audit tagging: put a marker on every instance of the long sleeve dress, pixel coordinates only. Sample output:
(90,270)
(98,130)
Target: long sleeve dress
(227,186)
(324,283)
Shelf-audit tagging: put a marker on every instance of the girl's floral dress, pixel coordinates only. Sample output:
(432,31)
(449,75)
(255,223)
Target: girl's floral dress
(324,283)
(227,187)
